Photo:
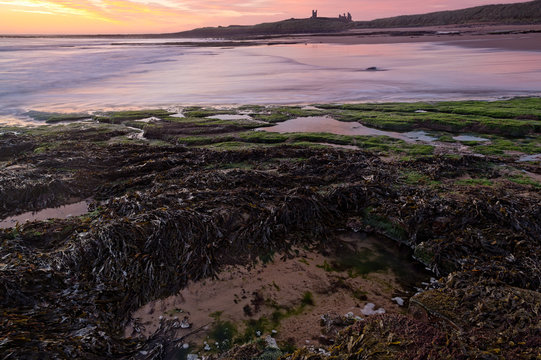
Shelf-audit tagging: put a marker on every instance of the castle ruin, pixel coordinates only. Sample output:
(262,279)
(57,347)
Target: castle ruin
(345,17)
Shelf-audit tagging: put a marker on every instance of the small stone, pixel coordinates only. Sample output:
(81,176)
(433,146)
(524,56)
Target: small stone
(271,342)
(398,300)
(184,324)
(207,347)
(323,352)
(185,346)
(369,309)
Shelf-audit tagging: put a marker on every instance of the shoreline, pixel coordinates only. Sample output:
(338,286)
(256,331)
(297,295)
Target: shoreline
(24,120)
(503,37)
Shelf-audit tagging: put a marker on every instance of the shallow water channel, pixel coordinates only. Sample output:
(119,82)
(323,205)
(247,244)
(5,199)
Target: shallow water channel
(326,124)
(61,212)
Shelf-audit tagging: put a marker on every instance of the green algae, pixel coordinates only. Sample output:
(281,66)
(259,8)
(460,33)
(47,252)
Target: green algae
(514,118)
(54,117)
(524,180)
(117,117)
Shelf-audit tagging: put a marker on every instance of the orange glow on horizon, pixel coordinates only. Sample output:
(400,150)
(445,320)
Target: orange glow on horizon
(161,16)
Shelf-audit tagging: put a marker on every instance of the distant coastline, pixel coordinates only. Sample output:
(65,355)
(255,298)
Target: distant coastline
(503,37)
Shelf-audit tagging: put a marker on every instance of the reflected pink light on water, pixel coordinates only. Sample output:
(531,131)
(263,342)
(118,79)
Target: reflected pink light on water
(94,75)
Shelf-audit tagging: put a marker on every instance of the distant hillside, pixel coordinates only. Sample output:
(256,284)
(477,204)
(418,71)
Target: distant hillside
(290,26)
(521,13)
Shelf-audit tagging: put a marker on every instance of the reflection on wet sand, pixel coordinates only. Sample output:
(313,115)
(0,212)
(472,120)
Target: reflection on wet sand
(327,124)
(61,212)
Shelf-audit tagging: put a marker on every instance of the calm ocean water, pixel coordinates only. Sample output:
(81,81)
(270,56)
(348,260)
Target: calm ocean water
(96,74)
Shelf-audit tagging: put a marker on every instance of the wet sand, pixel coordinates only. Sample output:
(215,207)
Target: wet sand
(242,293)
(504,37)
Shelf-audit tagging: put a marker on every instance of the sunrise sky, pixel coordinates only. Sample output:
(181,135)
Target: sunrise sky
(157,16)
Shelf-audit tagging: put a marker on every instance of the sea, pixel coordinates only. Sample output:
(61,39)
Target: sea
(98,74)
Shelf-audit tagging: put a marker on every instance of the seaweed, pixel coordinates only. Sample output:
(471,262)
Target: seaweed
(166,215)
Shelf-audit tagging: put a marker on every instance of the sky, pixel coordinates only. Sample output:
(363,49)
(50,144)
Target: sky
(159,16)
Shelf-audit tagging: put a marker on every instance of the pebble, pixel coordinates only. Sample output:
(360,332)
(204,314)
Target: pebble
(185,324)
(369,309)
(398,300)
(271,342)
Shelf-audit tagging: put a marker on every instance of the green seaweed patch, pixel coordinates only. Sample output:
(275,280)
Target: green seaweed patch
(359,263)
(512,118)
(252,108)
(263,137)
(235,145)
(474,182)
(203,113)
(518,108)
(447,138)
(524,180)
(384,226)
(283,113)
(412,177)
(471,143)
(55,117)
(499,146)
(377,144)
(254,328)
(307,299)
(222,334)
(117,117)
